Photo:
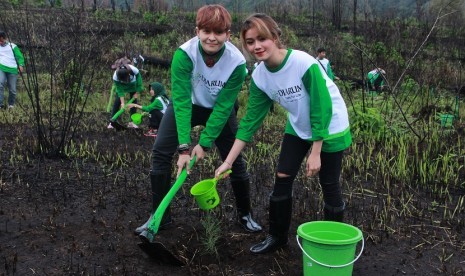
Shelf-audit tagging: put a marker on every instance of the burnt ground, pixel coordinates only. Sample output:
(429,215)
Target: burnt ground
(76,216)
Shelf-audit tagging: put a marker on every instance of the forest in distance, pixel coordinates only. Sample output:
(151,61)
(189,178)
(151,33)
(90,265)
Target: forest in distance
(72,191)
(388,8)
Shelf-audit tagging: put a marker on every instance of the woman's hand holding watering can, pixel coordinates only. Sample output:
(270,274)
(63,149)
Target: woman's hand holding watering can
(231,158)
(133,105)
(222,169)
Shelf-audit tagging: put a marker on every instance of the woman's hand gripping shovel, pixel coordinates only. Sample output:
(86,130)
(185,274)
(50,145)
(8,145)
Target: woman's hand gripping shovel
(113,119)
(158,250)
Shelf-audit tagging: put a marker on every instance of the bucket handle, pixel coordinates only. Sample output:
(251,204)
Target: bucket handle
(327,265)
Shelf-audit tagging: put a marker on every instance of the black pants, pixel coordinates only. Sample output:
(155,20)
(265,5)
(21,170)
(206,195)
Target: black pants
(376,84)
(155,118)
(293,152)
(117,105)
(166,143)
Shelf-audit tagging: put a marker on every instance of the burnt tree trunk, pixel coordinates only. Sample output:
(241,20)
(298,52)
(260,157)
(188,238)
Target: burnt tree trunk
(337,13)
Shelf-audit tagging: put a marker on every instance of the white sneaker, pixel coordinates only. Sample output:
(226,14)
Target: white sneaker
(132,125)
(11,106)
(110,126)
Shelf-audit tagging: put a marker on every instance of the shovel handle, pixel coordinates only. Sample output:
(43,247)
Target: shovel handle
(117,114)
(110,100)
(156,218)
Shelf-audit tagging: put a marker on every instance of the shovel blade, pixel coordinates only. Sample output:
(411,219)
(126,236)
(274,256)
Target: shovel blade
(158,251)
(117,125)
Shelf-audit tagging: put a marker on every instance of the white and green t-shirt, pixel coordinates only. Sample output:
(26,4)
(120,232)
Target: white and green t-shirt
(10,58)
(216,88)
(159,103)
(327,66)
(316,109)
(134,84)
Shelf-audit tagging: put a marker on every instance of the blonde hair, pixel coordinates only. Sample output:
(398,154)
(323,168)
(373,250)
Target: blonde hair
(266,27)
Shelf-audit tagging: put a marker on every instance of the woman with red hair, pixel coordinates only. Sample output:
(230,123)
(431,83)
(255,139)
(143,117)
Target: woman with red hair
(207,73)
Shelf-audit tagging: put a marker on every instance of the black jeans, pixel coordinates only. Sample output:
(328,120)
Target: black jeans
(293,152)
(166,143)
(155,118)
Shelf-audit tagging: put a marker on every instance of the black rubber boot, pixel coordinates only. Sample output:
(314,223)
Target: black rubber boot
(334,213)
(280,221)
(161,184)
(241,191)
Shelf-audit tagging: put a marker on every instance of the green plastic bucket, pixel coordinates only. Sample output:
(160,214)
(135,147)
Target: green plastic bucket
(205,192)
(136,118)
(329,247)
(447,120)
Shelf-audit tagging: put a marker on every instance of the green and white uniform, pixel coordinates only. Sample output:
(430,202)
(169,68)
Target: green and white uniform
(213,88)
(157,104)
(327,66)
(10,59)
(316,108)
(373,76)
(134,84)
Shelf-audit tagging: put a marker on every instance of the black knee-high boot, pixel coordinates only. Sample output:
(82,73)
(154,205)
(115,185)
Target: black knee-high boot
(241,191)
(280,221)
(161,184)
(334,213)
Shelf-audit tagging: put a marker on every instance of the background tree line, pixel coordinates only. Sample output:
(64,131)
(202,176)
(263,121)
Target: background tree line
(355,44)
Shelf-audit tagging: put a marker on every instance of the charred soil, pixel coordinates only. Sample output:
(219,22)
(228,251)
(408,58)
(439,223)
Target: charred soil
(76,216)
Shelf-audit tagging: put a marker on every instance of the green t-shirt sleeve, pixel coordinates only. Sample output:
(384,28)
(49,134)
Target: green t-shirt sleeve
(371,78)
(139,83)
(155,105)
(119,88)
(123,88)
(19,56)
(257,107)
(330,71)
(321,108)
(181,90)
(223,107)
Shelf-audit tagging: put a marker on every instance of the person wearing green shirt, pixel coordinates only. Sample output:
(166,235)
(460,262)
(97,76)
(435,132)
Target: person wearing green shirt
(321,58)
(11,64)
(317,122)
(207,73)
(126,80)
(376,79)
(157,107)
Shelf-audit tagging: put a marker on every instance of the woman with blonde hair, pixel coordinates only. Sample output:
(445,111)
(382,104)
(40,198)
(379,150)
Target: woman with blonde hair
(317,123)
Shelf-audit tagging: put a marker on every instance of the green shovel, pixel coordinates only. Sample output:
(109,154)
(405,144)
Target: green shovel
(113,119)
(153,248)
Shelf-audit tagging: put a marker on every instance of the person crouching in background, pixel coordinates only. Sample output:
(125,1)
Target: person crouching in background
(157,107)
